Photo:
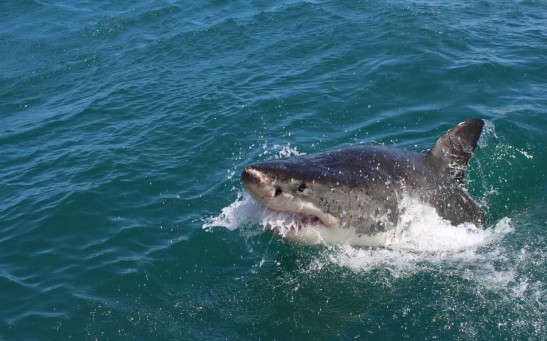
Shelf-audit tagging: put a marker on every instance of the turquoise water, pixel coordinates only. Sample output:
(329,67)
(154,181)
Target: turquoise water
(124,126)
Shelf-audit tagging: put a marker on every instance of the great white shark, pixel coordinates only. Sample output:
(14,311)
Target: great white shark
(357,191)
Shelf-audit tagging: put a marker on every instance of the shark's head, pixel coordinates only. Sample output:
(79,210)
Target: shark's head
(343,189)
(285,186)
(325,199)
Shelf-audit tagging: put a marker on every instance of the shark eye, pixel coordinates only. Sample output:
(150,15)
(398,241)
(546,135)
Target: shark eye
(302,187)
(278,191)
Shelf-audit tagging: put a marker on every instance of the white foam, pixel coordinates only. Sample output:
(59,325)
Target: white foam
(464,250)
(420,228)
(421,240)
(242,211)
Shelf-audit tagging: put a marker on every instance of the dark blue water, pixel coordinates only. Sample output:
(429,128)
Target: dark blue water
(124,126)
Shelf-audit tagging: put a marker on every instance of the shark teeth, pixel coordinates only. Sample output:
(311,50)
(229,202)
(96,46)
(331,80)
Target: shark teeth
(282,223)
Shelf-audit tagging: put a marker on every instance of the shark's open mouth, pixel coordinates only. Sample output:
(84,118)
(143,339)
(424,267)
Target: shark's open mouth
(282,223)
(295,218)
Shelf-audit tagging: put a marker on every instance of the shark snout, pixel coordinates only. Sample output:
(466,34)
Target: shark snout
(248,176)
(257,183)
(251,175)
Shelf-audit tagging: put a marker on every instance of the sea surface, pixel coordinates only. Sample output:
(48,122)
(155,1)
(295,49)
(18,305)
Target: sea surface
(124,126)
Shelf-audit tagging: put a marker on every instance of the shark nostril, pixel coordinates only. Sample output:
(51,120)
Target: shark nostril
(302,187)
(278,191)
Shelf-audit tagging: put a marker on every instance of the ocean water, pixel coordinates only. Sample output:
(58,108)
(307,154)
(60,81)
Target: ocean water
(124,127)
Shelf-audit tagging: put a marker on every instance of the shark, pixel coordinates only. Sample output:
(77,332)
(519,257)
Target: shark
(357,191)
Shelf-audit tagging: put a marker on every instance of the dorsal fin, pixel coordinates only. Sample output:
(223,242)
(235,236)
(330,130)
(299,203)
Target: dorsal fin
(454,149)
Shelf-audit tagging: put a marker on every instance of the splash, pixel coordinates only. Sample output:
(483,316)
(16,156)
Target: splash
(420,245)
(420,228)
(241,212)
